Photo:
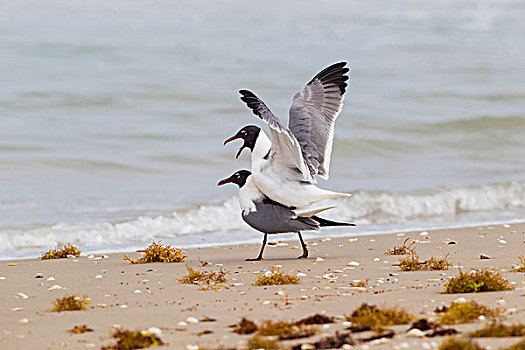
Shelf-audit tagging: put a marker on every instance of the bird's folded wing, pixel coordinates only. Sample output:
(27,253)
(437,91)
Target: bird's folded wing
(313,113)
(287,157)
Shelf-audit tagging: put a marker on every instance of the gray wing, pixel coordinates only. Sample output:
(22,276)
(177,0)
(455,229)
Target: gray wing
(286,153)
(313,113)
(272,217)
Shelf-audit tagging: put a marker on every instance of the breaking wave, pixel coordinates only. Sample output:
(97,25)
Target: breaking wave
(219,224)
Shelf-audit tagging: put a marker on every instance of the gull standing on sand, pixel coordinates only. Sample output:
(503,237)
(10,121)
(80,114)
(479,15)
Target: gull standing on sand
(284,166)
(270,217)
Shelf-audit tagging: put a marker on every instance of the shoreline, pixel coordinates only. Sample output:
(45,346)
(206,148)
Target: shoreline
(326,287)
(283,238)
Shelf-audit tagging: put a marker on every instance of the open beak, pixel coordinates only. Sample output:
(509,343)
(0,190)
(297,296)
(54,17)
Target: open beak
(240,151)
(240,148)
(231,139)
(224,181)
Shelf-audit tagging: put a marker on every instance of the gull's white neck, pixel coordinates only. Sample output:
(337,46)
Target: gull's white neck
(248,194)
(260,150)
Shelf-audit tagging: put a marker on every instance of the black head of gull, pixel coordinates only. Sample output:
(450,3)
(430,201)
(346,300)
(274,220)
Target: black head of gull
(239,178)
(249,135)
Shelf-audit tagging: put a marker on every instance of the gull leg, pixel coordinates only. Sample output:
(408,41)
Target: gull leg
(262,250)
(305,249)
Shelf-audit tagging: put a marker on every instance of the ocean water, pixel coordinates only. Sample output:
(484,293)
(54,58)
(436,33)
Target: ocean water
(113,114)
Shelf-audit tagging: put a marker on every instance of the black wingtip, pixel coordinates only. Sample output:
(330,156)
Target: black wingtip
(325,222)
(334,74)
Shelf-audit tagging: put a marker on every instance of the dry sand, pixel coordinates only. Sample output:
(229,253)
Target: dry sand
(149,295)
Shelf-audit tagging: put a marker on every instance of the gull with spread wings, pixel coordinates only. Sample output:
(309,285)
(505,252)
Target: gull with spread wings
(284,166)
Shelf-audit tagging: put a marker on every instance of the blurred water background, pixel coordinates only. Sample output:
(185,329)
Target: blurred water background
(113,114)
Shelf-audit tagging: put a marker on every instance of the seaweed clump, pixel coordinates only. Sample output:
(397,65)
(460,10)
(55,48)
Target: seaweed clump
(412,263)
(477,281)
(70,303)
(495,329)
(156,252)
(281,329)
(206,279)
(245,326)
(285,330)
(371,317)
(275,277)
(315,319)
(80,329)
(521,265)
(466,312)
(331,342)
(457,343)
(127,339)
(517,346)
(258,342)
(63,252)
(402,249)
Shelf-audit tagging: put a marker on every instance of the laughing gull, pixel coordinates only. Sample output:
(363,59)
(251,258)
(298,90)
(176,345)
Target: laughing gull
(270,217)
(284,166)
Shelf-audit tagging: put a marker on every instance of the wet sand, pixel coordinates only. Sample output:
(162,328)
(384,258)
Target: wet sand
(150,295)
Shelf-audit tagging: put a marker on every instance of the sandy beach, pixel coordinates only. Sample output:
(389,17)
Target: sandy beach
(150,295)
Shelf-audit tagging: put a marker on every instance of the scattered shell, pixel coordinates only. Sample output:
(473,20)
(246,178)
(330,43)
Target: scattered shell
(377,259)
(318,259)
(506,225)
(2,278)
(353,263)
(153,330)
(22,296)
(452,242)
(98,276)
(51,279)
(23,320)
(300,274)
(12,264)
(484,256)
(460,300)
(192,347)
(424,233)
(123,306)
(39,275)
(414,332)
(307,347)
(55,287)
(282,244)
(182,325)
(280,292)
(502,241)
(329,276)
(192,319)
(137,291)
(17,309)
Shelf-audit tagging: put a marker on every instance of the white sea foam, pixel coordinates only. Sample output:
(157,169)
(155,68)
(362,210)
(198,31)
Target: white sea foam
(221,223)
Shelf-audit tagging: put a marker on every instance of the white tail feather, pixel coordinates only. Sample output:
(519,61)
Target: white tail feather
(310,213)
